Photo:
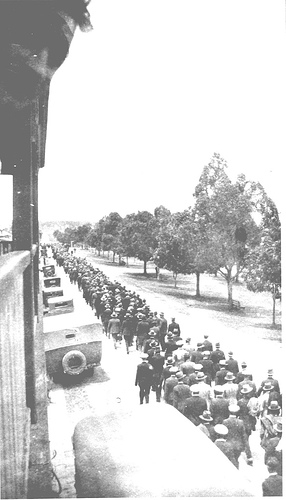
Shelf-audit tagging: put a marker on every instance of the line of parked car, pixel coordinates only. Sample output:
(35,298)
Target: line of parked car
(73,351)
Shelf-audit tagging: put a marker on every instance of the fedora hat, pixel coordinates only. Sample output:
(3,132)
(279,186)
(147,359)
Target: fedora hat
(218,389)
(206,353)
(222,362)
(173,369)
(273,406)
(198,367)
(246,389)
(267,386)
(233,408)
(179,375)
(144,355)
(221,429)
(195,390)
(206,416)
(200,376)
(278,426)
(229,376)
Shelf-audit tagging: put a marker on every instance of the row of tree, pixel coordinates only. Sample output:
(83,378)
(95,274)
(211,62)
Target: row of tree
(232,229)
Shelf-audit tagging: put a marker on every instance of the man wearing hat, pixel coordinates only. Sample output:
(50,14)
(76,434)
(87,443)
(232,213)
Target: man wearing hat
(127,331)
(193,376)
(195,406)
(216,356)
(249,408)
(273,447)
(142,331)
(197,355)
(150,340)
(205,390)
(236,434)
(247,380)
(170,383)
(263,398)
(230,388)
(187,367)
(240,375)
(219,405)
(232,364)
(221,441)
(272,486)
(170,345)
(208,367)
(166,370)
(173,325)
(267,423)
(179,353)
(114,328)
(163,330)
(144,378)
(206,425)
(221,373)
(157,361)
(181,392)
(270,378)
(207,344)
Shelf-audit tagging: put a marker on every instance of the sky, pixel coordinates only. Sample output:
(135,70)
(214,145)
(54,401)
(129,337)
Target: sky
(144,100)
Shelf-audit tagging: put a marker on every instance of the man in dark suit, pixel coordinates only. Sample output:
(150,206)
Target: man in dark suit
(272,486)
(219,406)
(144,378)
(241,374)
(208,367)
(174,326)
(180,393)
(207,344)
(157,361)
(216,356)
(237,434)
(270,378)
(232,364)
(221,373)
(195,406)
(170,383)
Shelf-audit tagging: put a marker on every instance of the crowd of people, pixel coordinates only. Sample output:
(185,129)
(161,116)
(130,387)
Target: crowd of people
(208,386)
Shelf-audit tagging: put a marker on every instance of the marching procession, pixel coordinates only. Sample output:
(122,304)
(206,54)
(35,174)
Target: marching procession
(211,388)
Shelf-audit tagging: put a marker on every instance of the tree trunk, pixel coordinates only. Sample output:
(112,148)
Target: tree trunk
(127,262)
(108,252)
(274,306)
(113,258)
(145,267)
(229,290)
(198,284)
(119,259)
(175,275)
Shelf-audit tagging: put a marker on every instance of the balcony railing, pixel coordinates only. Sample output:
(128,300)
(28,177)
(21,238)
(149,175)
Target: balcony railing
(16,394)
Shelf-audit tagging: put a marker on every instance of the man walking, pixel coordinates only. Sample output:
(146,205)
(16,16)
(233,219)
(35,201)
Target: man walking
(144,377)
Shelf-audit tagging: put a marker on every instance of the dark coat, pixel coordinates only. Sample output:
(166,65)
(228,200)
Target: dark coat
(236,433)
(216,356)
(170,383)
(272,486)
(187,367)
(219,410)
(232,366)
(208,369)
(194,407)
(197,356)
(207,345)
(273,381)
(180,393)
(144,374)
(173,326)
(220,377)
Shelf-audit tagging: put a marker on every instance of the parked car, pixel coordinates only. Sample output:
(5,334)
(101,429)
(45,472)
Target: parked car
(73,351)
(52,281)
(49,271)
(59,305)
(150,451)
(48,293)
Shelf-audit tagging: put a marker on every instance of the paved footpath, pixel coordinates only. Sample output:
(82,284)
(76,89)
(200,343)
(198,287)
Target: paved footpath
(111,384)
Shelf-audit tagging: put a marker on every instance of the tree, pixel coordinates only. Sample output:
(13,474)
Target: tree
(173,248)
(263,272)
(224,222)
(138,236)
